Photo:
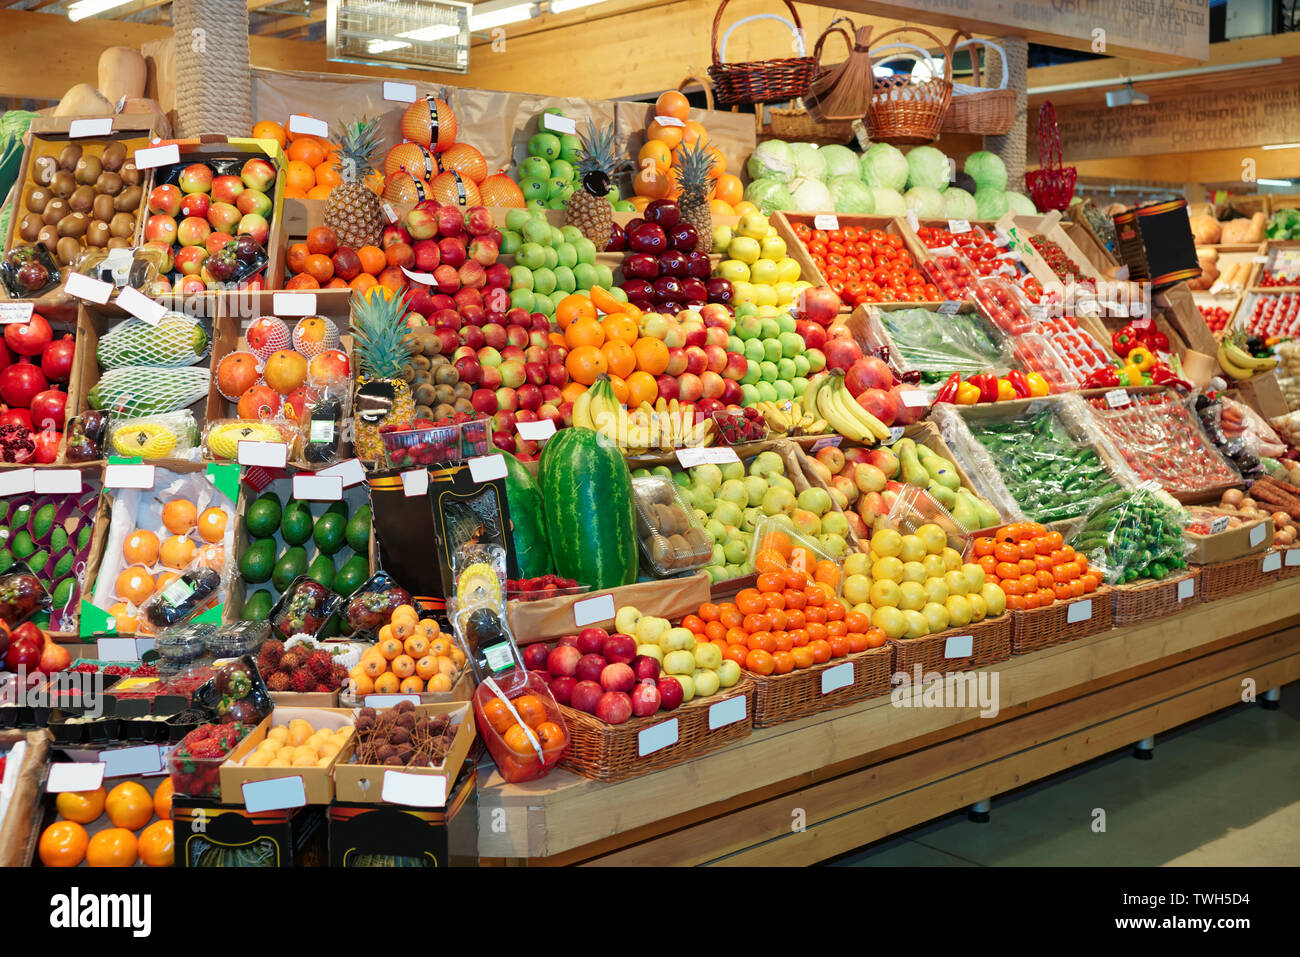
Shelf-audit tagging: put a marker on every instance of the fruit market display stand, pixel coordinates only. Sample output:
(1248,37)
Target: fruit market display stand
(808,790)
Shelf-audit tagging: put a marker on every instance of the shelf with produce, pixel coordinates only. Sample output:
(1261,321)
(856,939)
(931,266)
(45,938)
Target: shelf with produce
(1280,269)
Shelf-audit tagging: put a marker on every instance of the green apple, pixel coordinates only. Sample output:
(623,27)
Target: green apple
(734,344)
(707,681)
(815,499)
(564,279)
(552,256)
(767,369)
(510,242)
(749,394)
(792,344)
(530,256)
(785,322)
(754,352)
(772,352)
(801,366)
(522,299)
(544,280)
(585,275)
(567,254)
(680,479)
(606,276)
(728,673)
(648,629)
(746,249)
(707,655)
(784,390)
(545,145)
(537,231)
(767,391)
(651,651)
(749,327)
(516,218)
(761,271)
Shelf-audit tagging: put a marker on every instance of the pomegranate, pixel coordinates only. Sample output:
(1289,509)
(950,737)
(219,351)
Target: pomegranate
(20,382)
(47,446)
(56,360)
(29,338)
(49,409)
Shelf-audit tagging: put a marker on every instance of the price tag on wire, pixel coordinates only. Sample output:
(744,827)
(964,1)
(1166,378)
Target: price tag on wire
(1118,398)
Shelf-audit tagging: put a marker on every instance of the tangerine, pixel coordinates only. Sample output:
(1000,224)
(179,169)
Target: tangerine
(179,516)
(162,799)
(270,130)
(156,845)
(587,363)
(63,844)
(212,524)
(81,806)
(584,331)
(135,585)
(523,743)
(178,551)
(531,709)
(306,149)
(114,847)
(129,805)
(141,547)
(651,355)
(123,621)
(373,259)
(299,176)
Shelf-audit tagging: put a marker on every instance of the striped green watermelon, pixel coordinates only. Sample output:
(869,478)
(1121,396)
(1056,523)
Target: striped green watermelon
(590,518)
(527,520)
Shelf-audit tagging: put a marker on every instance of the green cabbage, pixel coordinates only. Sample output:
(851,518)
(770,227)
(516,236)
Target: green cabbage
(810,195)
(1020,204)
(987,169)
(990,203)
(959,204)
(926,202)
(884,165)
(771,158)
(889,202)
(927,166)
(769,193)
(840,161)
(808,161)
(850,196)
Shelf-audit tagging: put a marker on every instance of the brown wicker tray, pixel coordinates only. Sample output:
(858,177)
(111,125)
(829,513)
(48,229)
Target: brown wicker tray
(1150,600)
(991,643)
(1226,579)
(1033,629)
(610,752)
(781,698)
(1290,571)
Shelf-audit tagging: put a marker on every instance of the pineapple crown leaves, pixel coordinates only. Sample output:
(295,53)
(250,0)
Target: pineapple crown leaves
(694,165)
(359,140)
(600,154)
(381,340)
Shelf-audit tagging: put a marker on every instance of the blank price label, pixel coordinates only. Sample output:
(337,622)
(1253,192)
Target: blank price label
(959,646)
(1257,535)
(414,790)
(157,156)
(15,312)
(558,124)
(269,455)
(1078,611)
(420,277)
(57,482)
(128,476)
(294,303)
(538,431)
(1292,557)
(593,610)
(119,762)
(826,441)
(1272,562)
(118,649)
(399,92)
(727,712)
(390,700)
(141,306)
(674,121)
(91,290)
(826,221)
(720,455)
(841,676)
(415,482)
(308,126)
(349,470)
(958,226)
(318,488)
(486,468)
(100,126)
(662,735)
(1118,398)
(275,794)
(914,398)
(17,481)
(950,307)
(1186,589)
(75,777)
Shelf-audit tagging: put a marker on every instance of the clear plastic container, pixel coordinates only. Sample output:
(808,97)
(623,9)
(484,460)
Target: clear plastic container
(436,444)
(671,541)
(238,638)
(371,606)
(197,775)
(1004,304)
(526,738)
(303,609)
(734,428)
(798,552)
(180,645)
(915,507)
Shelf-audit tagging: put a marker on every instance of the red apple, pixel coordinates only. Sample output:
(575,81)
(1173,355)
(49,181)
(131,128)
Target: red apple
(586,695)
(645,698)
(614,707)
(536,655)
(589,668)
(563,660)
(619,648)
(670,693)
(645,667)
(562,689)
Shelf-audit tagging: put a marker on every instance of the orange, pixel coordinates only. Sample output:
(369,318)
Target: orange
(651,355)
(124,621)
(302,281)
(162,800)
(604,301)
(141,547)
(363,283)
(320,192)
(621,327)
(523,744)
(729,189)
(373,259)
(619,385)
(327,176)
(619,357)
(212,524)
(178,551)
(531,709)
(655,153)
(156,846)
(296,257)
(670,136)
(81,806)
(63,844)
(586,363)
(179,516)
(584,331)
(270,130)
(299,176)
(319,267)
(760,662)
(115,847)
(571,391)
(129,805)
(294,192)
(718,208)
(387,683)
(306,149)
(673,103)
(694,132)
(134,585)
(652,183)
(719,167)
(403,666)
(411,685)
(321,240)
(641,387)
(574,306)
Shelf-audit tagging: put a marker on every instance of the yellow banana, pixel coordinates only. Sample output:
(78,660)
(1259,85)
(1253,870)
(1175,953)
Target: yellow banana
(838,417)
(1244,360)
(582,411)
(1234,370)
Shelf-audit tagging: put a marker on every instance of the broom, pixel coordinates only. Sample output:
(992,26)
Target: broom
(843,91)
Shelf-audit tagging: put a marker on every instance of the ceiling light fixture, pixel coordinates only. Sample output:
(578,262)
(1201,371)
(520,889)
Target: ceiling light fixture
(1126,96)
(89,8)
(502,15)
(1281,146)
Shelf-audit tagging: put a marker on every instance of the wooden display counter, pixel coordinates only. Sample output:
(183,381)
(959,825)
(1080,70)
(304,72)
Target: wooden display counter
(808,790)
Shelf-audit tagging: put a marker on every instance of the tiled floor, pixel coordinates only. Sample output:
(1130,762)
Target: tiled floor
(1224,790)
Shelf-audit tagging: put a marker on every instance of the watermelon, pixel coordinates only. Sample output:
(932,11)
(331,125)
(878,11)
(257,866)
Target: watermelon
(590,518)
(527,521)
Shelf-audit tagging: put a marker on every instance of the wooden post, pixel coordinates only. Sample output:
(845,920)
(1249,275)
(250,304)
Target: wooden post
(1011,146)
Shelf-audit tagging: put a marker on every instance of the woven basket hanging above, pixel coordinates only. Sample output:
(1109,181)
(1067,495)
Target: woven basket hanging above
(988,111)
(1052,186)
(841,92)
(904,110)
(760,81)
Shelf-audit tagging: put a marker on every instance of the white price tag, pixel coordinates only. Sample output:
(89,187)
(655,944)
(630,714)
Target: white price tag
(841,676)
(538,431)
(674,121)
(1272,562)
(318,488)
(57,482)
(913,398)
(389,211)
(1292,557)
(949,307)
(730,711)
(485,468)
(1257,535)
(390,700)
(1118,398)
(119,762)
(91,290)
(75,777)
(120,649)
(349,470)
(656,738)
(959,646)
(826,221)
(17,481)
(155,156)
(716,455)
(141,306)
(912,220)
(1259,260)
(269,455)
(895,433)
(591,611)
(1186,589)
(308,126)
(99,126)
(415,482)
(414,790)
(826,441)
(420,277)
(15,312)
(294,303)
(274,794)
(958,226)
(558,124)
(399,92)
(1078,611)
(128,476)
(1219,524)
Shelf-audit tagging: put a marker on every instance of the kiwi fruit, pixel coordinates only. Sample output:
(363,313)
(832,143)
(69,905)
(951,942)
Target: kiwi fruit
(68,250)
(102,207)
(128,200)
(425,394)
(683,554)
(122,224)
(661,552)
(444,394)
(463,389)
(446,375)
(43,170)
(699,541)
(82,198)
(70,156)
(432,345)
(37,198)
(88,169)
(421,363)
(444,410)
(97,233)
(30,227)
(130,175)
(55,210)
(74,224)
(119,242)
(423,412)
(463,405)
(108,182)
(114,156)
(438,360)
(48,237)
(63,184)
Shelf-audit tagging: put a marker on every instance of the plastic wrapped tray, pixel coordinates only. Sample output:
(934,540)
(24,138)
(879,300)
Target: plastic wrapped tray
(671,540)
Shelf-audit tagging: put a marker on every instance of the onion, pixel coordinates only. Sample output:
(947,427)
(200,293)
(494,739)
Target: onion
(1281,519)
(1233,496)
(1247,502)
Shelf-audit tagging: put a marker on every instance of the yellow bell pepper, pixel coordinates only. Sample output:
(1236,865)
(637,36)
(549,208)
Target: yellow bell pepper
(1143,358)
(1006,391)
(1037,384)
(967,394)
(1130,374)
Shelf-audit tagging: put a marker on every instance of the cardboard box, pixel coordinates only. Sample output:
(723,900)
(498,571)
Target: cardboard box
(550,618)
(1246,539)
(208,834)
(390,835)
(318,783)
(365,783)
(1263,394)
(1182,313)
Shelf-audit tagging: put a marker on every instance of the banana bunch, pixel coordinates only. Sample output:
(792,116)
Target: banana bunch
(791,418)
(1240,364)
(832,401)
(666,425)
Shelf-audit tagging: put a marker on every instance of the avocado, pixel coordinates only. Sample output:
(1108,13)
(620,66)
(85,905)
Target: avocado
(22,545)
(358,531)
(263,516)
(338,508)
(329,532)
(257,606)
(58,539)
(330,629)
(42,522)
(352,575)
(258,560)
(322,570)
(295,524)
(291,564)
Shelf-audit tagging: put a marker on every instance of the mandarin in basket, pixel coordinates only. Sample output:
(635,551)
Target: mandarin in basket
(140,547)
(522,743)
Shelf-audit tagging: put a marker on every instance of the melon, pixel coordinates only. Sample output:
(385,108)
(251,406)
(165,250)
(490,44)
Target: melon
(500,190)
(453,189)
(412,158)
(404,188)
(431,123)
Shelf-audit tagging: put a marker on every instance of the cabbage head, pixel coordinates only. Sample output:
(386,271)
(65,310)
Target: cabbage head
(889,202)
(769,193)
(808,161)
(771,158)
(1020,204)
(849,195)
(884,165)
(927,203)
(987,169)
(959,204)
(810,195)
(840,161)
(927,166)
(990,204)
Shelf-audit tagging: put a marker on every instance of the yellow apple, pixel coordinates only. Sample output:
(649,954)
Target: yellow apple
(974,577)
(707,682)
(934,538)
(651,651)
(934,566)
(728,673)
(885,594)
(891,621)
(887,569)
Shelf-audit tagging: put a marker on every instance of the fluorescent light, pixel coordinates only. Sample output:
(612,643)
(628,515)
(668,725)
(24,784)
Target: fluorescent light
(1275,182)
(89,8)
(385,46)
(1281,146)
(1126,96)
(499,18)
(564,6)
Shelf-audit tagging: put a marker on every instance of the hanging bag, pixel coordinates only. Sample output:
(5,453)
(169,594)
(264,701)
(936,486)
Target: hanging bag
(1052,186)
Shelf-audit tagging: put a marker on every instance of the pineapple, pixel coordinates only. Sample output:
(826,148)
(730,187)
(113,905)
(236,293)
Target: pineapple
(693,179)
(352,209)
(589,207)
(382,344)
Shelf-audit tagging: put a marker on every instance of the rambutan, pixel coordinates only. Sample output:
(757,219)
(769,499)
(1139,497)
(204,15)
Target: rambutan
(323,689)
(320,664)
(302,682)
(279,681)
(291,661)
(338,673)
(271,651)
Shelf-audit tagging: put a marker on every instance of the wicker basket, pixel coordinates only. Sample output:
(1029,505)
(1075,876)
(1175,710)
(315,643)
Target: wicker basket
(991,644)
(1227,579)
(759,81)
(1151,600)
(781,698)
(1290,571)
(904,111)
(795,123)
(827,81)
(977,109)
(610,752)
(1033,629)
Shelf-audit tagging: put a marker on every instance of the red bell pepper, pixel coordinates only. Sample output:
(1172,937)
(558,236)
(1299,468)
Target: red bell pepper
(1125,339)
(1162,375)
(948,391)
(1019,383)
(1102,379)
(1156,340)
(987,383)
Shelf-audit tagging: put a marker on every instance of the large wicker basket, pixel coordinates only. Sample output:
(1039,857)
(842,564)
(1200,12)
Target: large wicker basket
(990,644)
(1290,563)
(799,694)
(988,111)
(796,123)
(1226,579)
(759,81)
(611,752)
(1152,600)
(1033,629)
(905,111)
